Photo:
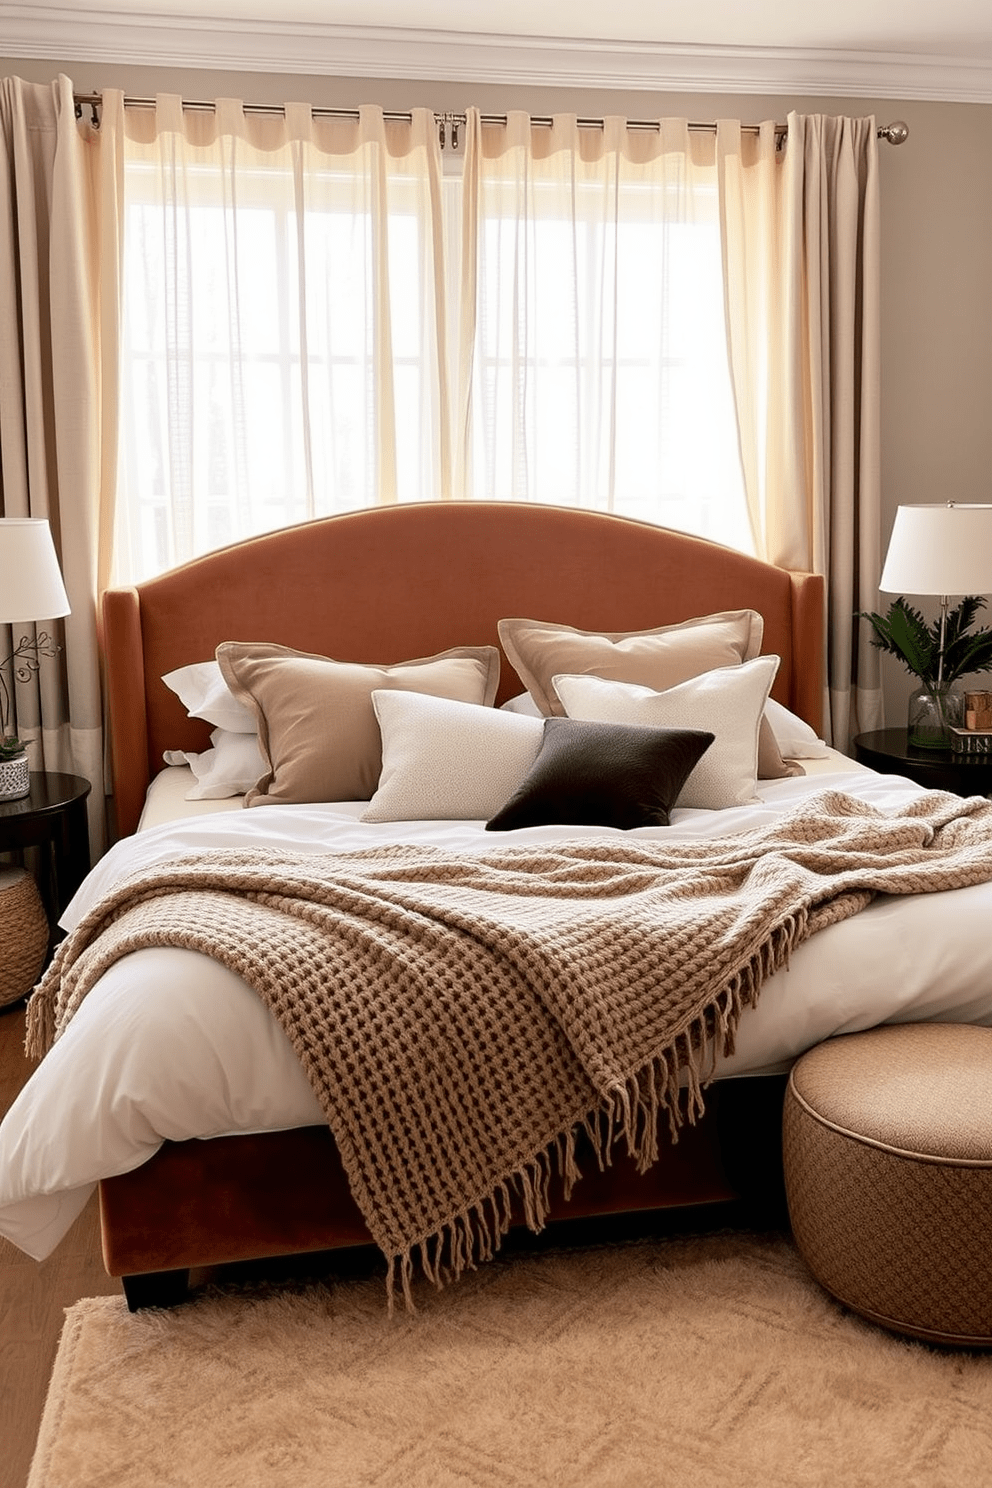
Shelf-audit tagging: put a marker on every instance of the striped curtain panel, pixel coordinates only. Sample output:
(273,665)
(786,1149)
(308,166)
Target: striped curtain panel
(58,434)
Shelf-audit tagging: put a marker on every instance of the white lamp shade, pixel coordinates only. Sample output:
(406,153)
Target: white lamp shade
(939,550)
(31,585)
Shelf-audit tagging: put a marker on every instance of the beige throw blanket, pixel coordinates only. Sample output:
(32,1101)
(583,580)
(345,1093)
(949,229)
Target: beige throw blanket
(461,1018)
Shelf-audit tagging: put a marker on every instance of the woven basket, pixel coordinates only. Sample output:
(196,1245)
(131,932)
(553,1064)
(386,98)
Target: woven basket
(23,934)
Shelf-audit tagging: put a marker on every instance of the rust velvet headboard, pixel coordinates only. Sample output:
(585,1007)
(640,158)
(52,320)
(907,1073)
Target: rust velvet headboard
(397,582)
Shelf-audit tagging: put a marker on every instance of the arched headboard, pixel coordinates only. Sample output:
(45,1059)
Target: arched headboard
(391,583)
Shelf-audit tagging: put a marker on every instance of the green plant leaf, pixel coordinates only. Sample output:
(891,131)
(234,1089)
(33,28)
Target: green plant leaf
(904,633)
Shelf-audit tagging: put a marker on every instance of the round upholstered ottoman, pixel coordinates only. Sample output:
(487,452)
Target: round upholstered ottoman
(888,1171)
(23,933)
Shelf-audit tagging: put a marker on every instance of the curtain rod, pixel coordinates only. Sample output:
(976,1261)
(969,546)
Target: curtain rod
(895,133)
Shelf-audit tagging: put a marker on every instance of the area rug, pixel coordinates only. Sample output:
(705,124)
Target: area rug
(712,1361)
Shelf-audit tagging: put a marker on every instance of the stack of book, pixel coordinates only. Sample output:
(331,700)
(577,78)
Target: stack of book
(976,736)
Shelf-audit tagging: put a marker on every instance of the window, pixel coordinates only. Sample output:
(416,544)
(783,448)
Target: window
(295,344)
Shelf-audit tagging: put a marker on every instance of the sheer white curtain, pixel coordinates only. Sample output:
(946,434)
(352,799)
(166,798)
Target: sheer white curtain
(667,323)
(284,323)
(594,367)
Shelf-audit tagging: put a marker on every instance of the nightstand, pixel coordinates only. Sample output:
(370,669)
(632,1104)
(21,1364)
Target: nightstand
(889,752)
(52,817)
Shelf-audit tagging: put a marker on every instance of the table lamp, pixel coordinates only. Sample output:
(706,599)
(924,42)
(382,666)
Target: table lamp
(31,589)
(938,550)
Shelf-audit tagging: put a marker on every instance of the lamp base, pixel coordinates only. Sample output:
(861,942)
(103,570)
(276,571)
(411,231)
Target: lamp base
(933,712)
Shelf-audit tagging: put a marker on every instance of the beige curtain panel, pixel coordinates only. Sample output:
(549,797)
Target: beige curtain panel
(802,269)
(57,395)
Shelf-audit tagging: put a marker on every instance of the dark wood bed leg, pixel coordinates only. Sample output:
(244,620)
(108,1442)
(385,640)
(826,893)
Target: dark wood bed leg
(156,1289)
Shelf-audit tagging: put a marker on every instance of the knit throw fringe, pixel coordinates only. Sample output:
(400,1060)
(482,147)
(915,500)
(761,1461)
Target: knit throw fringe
(463,1019)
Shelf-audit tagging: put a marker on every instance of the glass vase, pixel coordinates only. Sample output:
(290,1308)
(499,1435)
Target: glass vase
(933,712)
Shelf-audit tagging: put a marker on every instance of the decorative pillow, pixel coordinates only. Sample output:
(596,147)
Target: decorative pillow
(447,761)
(316,726)
(603,774)
(727,702)
(793,735)
(230,768)
(539,650)
(204,694)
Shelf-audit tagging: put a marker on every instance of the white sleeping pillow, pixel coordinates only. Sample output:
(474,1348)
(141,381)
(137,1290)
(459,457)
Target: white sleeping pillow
(793,735)
(229,768)
(522,703)
(728,702)
(201,689)
(448,761)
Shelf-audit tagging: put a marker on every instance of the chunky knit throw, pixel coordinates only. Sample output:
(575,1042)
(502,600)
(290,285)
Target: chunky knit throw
(462,1018)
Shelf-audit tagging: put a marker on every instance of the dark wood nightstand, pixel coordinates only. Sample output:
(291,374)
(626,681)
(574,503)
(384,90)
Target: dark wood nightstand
(51,817)
(889,752)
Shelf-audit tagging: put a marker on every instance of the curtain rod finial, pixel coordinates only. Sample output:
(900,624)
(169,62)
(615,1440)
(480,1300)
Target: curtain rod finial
(897,133)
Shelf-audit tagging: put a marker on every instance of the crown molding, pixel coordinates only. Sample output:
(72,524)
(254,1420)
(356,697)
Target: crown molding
(44,31)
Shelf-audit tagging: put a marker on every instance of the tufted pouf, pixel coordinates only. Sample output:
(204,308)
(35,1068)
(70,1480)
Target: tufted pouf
(23,933)
(888,1171)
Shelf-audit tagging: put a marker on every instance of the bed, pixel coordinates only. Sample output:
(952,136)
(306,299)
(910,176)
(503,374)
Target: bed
(208,1147)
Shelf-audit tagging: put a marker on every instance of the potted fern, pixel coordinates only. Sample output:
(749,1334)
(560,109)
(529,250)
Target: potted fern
(15,777)
(938,654)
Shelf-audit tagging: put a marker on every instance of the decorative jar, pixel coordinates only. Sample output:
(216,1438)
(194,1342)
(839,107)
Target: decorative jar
(933,712)
(15,776)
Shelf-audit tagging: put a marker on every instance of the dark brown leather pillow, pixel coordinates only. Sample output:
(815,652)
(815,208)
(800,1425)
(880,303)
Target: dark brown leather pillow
(603,774)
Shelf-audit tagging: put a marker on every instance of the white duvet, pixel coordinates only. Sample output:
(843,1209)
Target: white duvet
(170,1045)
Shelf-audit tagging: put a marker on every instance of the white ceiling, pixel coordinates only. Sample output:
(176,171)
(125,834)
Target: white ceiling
(887,48)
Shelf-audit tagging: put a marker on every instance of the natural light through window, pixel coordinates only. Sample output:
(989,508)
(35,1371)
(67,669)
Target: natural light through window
(287,349)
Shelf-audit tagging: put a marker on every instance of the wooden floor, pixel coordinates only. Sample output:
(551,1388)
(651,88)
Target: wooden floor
(34,1294)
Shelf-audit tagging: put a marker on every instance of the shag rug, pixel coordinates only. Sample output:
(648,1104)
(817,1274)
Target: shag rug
(714,1360)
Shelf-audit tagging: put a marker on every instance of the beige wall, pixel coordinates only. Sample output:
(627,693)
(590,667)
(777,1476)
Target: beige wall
(937,247)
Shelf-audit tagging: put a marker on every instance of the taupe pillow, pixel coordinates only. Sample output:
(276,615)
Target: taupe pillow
(540,650)
(317,728)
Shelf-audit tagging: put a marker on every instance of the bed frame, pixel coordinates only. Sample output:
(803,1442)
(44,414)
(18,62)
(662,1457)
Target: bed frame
(382,586)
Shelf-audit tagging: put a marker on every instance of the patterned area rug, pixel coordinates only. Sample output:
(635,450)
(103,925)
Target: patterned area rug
(710,1362)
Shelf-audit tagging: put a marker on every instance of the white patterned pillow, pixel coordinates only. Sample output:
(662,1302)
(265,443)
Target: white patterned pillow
(728,702)
(448,761)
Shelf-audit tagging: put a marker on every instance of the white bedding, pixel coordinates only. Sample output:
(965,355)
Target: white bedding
(171,1045)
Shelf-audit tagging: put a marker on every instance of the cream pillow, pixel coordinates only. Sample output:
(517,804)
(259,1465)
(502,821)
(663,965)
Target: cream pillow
(539,650)
(317,728)
(448,761)
(728,702)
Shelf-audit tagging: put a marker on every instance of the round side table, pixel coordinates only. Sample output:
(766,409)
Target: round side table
(51,817)
(890,753)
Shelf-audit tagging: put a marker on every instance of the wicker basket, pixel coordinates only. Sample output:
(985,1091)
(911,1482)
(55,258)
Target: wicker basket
(23,934)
